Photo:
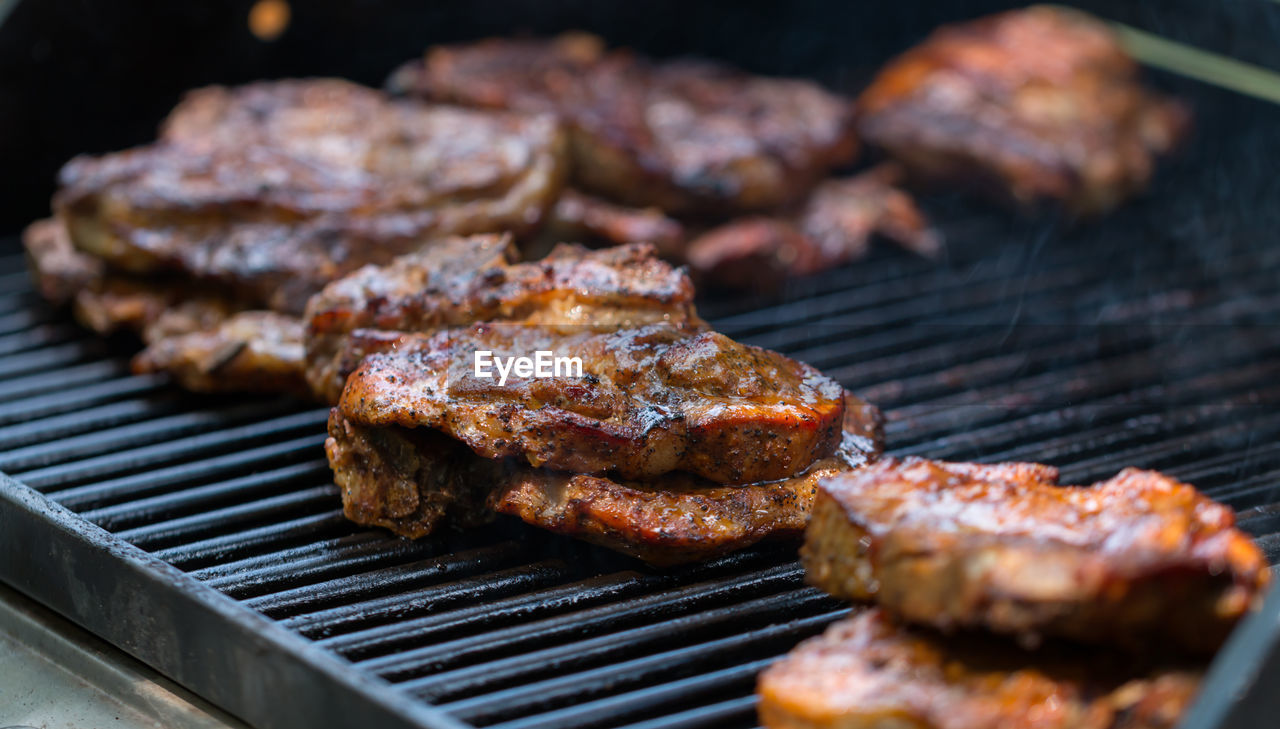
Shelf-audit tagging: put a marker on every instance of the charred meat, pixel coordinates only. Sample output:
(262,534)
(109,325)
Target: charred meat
(274,189)
(462,281)
(645,402)
(1138,557)
(1032,105)
(688,137)
(867,671)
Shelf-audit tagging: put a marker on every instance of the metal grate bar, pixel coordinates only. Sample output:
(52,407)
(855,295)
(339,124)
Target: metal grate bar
(488,676)
(657,606)
(677,663)
(127,514)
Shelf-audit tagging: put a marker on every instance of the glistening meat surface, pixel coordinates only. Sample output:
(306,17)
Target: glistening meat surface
(461,281)
(651,400)
(1033,105)
(1137,558)
(686,136)
(868,672)
(274,189)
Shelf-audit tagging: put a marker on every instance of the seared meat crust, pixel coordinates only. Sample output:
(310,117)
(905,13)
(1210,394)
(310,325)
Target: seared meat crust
(408,480)
(1139,557)
(688,137)
(252,351)
(1034,104)
(462,281)
(651,400)
(274,189)
(866,672)
(834,227)
(679,517)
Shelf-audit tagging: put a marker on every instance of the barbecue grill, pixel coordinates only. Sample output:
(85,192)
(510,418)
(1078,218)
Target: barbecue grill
(205,537)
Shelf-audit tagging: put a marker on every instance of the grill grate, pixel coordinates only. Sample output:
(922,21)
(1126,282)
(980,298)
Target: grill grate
(1150,339)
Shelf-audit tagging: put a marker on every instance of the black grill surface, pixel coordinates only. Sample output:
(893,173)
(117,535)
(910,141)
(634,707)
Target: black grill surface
(205,534)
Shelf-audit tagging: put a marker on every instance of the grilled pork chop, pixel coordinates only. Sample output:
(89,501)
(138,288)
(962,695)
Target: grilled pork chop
(252,351)
(866,672)
(467,280)
(411,480)
(408,480)
(202,338)
(688,137)
(585,218)
(833,227)
(272,190)
(648,400)
(1032,105)
(107,302)
(1137,557)
(680,517)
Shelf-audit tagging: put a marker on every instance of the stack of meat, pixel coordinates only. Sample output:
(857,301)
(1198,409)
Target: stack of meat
(673,443)
(1114,593)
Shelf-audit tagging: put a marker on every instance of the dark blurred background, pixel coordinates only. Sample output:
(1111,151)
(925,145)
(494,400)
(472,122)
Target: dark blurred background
(91,76)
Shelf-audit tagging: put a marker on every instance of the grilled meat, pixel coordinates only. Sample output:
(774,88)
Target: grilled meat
(1040,104)
(410,480)
(466,280)
(200,337)
(274,189)
(688,137)
(834,227)
(252,351)
(649,400)
(1134,558)
(868,672)
(107,302)
(585,218)
(679,517)
(59,269)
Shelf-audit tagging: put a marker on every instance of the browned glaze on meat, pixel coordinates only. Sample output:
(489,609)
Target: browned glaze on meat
(679,517)
(585,218)
(1139,557)
(650,400)
(252,351)
(834,227)
(685,136)
(462,281)
(274,189)
(408,480)
(866,672)
(1032,105)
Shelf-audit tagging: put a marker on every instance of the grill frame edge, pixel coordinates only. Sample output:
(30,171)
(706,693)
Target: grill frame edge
(120,593)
